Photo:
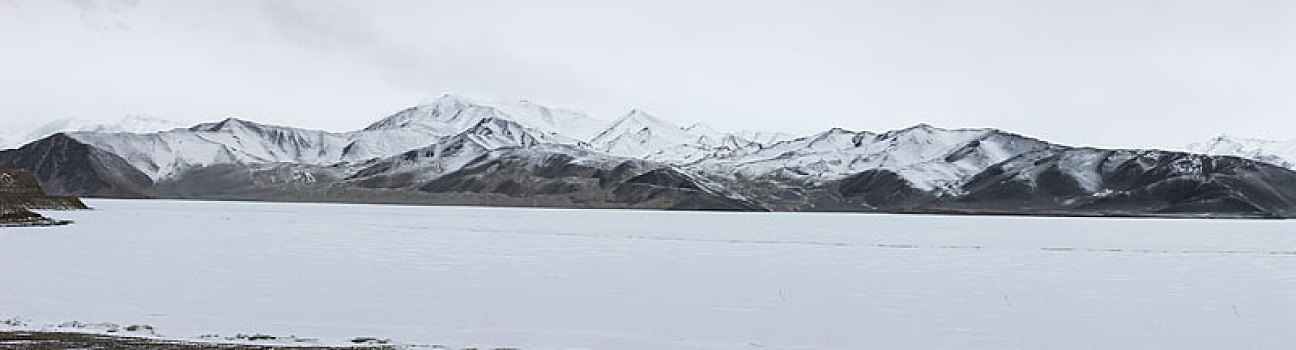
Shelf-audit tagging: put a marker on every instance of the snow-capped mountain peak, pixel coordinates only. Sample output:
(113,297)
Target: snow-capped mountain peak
(451,114)
(451,153)
(1280,153)
(226,124)
(446,115)
(640,135)
(493,133)
(136,124)
(129,123)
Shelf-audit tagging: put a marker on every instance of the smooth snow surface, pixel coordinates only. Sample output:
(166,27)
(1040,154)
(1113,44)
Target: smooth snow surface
(605,279)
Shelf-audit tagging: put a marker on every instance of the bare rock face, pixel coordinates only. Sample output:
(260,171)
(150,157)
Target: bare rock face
(881,189)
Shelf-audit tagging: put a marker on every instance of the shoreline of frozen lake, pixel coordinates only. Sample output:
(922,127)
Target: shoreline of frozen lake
(619,279)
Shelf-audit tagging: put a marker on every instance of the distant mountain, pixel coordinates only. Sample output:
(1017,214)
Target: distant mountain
(166,154)
(928,158)
(66,166)
(14,137)
(451,114)
(463,151)
(1280,153)
(453,153)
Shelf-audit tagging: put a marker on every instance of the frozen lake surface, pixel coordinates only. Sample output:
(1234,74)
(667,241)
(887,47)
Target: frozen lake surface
(605,279)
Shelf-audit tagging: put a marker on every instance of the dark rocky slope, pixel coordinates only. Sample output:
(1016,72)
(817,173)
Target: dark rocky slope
(506,177)
(564,177)
(65,166)
(18,188)
(1131,182)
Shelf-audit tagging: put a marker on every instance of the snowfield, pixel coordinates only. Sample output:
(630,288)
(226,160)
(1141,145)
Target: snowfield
(612,279)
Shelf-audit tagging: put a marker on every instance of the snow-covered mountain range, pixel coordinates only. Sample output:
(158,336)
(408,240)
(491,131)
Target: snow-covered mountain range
(448,127)
(930,158)
(459,150)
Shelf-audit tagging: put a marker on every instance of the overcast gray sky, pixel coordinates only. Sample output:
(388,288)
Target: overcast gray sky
(1121,73)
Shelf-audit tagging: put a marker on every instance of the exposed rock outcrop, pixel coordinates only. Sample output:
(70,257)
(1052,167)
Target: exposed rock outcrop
(20,192)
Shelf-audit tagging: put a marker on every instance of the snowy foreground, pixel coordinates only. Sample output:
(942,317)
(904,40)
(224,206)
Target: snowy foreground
(603,279)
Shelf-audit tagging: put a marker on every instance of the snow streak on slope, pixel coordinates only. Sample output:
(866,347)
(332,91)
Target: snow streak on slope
(931,159)
(1280,153)
(1085,166)
(561,279)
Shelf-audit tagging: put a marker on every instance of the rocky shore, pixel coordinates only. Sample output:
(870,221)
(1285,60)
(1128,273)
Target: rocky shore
(20,193)
(34,340)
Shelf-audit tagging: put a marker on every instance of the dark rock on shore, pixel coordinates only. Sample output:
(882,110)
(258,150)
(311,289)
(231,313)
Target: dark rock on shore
(20,192)
(32,340)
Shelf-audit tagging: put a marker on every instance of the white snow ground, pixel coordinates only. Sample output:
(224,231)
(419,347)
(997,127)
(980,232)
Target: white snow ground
(606,279)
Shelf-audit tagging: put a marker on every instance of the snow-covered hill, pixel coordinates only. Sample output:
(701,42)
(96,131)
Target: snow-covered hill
(1280,153)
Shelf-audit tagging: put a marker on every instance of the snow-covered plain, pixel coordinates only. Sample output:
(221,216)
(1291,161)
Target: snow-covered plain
(610,279)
